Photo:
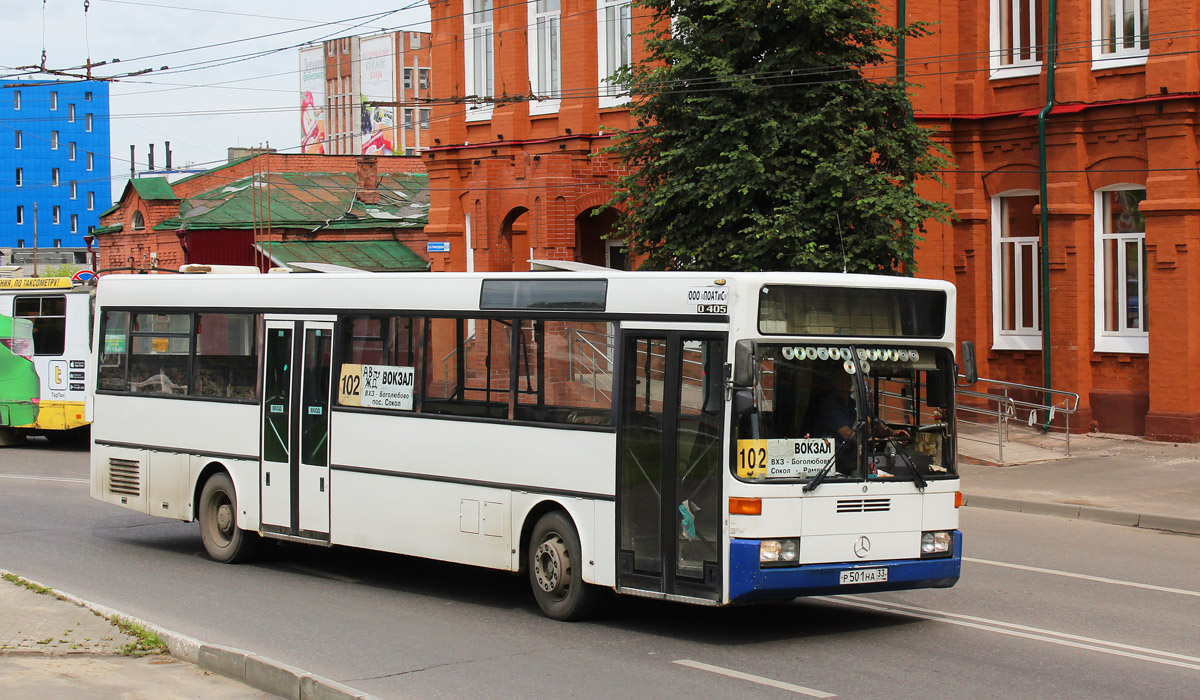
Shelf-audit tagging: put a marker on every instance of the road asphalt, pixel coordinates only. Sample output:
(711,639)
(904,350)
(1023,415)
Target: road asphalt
(55,645)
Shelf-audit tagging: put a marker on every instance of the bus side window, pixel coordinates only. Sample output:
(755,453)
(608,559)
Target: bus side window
(49,316)
(114,343)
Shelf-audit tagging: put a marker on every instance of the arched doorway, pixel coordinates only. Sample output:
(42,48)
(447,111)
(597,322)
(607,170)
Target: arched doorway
(513,245)
(592,247)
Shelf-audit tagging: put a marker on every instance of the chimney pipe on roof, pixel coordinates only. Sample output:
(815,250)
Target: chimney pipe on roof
(167,148)
(151,156)
(132,164)
(367,185)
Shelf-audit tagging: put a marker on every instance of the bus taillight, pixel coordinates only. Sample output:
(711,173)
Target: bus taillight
(19,346)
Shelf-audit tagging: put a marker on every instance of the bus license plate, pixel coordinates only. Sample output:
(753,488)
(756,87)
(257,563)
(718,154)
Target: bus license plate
(851,576)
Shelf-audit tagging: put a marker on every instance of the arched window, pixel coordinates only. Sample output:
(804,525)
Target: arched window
(139,221)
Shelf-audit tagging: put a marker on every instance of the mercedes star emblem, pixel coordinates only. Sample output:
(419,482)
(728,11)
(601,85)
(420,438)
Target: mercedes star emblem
(862,547)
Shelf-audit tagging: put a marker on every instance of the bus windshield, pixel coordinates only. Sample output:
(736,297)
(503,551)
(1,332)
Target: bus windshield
(811,411)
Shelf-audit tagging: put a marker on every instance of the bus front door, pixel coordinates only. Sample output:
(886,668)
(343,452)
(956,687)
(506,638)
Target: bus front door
(294,473)
(669,464)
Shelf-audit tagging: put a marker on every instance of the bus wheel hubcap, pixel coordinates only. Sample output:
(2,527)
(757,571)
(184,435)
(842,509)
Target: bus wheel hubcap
(549,566)
(225,519)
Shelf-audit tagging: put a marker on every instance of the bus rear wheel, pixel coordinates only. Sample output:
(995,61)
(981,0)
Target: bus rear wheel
(556,570)
(223,539)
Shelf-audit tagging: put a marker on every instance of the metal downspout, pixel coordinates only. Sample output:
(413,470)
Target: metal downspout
(1051,46)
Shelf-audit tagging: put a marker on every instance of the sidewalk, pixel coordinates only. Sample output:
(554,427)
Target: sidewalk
(1109,478)
(55,646)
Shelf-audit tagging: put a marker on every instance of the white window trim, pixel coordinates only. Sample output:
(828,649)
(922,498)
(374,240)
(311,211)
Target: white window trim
(549,106)
(1018,68)
(482,111)
(1122,57)
(608,100)
(1002,339)
(1110,341)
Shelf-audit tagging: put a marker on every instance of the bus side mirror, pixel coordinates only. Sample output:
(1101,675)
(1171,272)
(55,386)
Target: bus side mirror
(970,371)
(743,402)
(743,363)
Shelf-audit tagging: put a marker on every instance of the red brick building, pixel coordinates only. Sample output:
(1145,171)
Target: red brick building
(514,168)
(1122,197)
(272,209)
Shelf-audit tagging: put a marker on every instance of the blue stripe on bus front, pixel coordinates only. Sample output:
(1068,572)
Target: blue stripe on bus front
(748,581)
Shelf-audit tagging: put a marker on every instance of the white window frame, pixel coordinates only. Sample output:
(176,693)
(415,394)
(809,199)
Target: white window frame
(18,141)
(425,117)
(609,41)
(56,215)
(71,112)
(87,121)
(479,32)
(1136,341)
(90,159)
(20,177)
(1122,56)
(1021,339)
(53,101)
(71,151)
(1017,67)
(16,100)
(74,225)
(74,186)
(545,66)
(54,177)
(20,216)
(91,201)
(54,140)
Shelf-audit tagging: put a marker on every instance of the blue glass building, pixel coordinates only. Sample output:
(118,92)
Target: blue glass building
(54,151)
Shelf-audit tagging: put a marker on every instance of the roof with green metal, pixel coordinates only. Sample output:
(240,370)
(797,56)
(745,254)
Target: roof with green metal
(373,256)
(306,200)
(153,188)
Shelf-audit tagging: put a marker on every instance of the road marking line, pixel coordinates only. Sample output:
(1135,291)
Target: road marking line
(754,679)
(1035,633)
(45,478)
(1085,577)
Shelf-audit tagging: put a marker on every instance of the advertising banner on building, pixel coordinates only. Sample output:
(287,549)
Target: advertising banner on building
(378,84)
(312,100)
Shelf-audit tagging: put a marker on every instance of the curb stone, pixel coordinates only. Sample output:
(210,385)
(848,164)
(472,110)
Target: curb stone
(238,665)
(1148,521)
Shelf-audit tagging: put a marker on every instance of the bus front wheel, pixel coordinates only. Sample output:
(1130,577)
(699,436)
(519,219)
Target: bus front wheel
(556,569)
(223,539)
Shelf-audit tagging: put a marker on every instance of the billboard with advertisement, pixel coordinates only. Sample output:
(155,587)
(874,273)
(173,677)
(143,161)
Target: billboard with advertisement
(377,56)
(312,100)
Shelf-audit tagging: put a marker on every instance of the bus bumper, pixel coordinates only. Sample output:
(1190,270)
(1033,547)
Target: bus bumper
(748,581)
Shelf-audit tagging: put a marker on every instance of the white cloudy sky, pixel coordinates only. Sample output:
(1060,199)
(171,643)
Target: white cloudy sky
(180,105)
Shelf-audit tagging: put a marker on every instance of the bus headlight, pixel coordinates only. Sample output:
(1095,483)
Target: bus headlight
(779,552)
(934,544)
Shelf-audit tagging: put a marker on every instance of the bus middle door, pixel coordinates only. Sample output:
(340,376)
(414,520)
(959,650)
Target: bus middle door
(295,420)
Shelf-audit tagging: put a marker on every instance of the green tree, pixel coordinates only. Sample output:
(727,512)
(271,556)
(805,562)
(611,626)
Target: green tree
(772,135)
(63,270)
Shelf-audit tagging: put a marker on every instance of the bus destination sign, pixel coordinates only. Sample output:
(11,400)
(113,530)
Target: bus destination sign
(377,386)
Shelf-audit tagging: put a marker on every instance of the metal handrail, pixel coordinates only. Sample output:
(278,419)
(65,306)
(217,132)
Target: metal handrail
(1058,402)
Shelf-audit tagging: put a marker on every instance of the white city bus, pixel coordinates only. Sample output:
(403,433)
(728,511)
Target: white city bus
(669,435)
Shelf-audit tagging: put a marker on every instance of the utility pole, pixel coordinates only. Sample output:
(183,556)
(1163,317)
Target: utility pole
(35,239)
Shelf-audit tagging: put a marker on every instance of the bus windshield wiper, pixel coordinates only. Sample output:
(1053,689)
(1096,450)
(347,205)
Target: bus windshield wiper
(899,452)
(820,476)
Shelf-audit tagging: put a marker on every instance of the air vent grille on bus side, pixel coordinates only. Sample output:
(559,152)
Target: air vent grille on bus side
(124,476)
(864,505)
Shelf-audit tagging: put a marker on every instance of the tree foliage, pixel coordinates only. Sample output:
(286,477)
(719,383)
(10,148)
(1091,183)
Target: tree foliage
(772,135)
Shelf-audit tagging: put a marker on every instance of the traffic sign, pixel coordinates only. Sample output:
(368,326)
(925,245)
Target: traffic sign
(83,276)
